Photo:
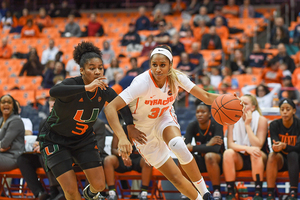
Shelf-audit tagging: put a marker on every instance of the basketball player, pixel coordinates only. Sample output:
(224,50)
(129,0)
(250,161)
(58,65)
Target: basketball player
(150,97)
(285,136)
(67,135)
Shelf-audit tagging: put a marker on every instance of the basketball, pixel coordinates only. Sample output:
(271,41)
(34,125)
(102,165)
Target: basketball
(226,109)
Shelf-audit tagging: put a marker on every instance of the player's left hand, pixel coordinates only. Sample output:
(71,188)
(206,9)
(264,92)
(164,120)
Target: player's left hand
(124,148)
(127,162)
(137,135)
(248,117)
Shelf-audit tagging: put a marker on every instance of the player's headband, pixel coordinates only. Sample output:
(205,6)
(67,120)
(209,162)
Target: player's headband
(163,52)
(288,101)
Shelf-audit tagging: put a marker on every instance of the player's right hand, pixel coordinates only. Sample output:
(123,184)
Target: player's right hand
(254,151)
(137,135)
(124,148)
(95,84)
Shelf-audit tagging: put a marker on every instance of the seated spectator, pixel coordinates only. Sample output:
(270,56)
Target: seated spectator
(72,29)
(30,30)
(239,64)
(112,69)
(205,84)
(247,147)
(177,7)
(188,40)
(157,18)
(202,16)
(5,50)
(284,68)
(210,6)
(218,13)
(107,53)
(296,78)
(200,30)
(164,6)
(176,46)
(135,70)
(227,80)
(162,37)
(32,67)
(221,30)
(211,40)
(185,65)
(131,37)
(25,16)
(26,121)
(4,8)
(279,22)
(263,93)
(288,90)
(257,58)
(279,37)
(195,57)
(193,7)
(72,68)
(49,53)
(94,28)
(185,26)
(208,148)
(53,11)
(272,73)
(215,77)
(148,46)
(64,11)
(134,162)
(7,21)
(50,75)
(231,10)
(143,22)
(12,134)
(43,20)
(171,30)
(296,35)
(246,10)
(146,64)
(285,136)
(282,56)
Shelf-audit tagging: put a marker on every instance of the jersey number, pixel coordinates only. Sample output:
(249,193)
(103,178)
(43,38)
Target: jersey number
(80,127)
(155,111)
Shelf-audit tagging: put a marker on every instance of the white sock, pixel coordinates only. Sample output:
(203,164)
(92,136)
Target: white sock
(199,197)
(201,186)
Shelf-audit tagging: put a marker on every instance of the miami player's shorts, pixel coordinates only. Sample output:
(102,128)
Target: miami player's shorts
(156,152)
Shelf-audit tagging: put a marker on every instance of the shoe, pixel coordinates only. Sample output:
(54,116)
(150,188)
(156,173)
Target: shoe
(217,195)
(112,195)
(143,195)
(257,196)
(43,196)
(292,196)
(270,197)
(230,196)
(183,197)
(98,196)
(208,196)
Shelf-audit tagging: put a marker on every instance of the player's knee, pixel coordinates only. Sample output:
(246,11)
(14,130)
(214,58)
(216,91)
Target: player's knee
(292,156)
(99,185)
(272,158)
(109,160)
(180,149)
(210,158)
(176,179)
(228,155)
(71,190)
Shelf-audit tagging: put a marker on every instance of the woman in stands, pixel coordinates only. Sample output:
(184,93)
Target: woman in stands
(246,147)
(207,151)
(285,137)
(150,97)
(67,135)
(12,134)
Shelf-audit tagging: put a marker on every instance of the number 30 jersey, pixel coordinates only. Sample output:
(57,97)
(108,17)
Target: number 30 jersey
(147,101)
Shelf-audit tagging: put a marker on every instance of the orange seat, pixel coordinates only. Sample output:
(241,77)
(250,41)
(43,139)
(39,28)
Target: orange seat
(42,95)
(247,79)
(24,97)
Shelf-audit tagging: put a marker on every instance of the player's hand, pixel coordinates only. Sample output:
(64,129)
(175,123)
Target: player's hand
(124,148)
(278,146)
(254,151)
(137,135)
(127,162)
(190,147)
(36,147)
(3,150)
(95,84)
(241,102)
(248,117)
(216,140)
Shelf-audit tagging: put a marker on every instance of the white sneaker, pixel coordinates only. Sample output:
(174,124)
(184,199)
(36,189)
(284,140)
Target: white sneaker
(183,197)
(143,195)
(112,195)
(217,195)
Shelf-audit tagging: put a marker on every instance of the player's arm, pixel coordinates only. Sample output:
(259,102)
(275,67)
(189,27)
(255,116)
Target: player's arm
(114,146)
(231,144)
(259,139)
(204,96)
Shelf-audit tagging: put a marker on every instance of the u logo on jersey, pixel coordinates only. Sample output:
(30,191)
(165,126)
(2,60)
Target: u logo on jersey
(93,117)
(55,148)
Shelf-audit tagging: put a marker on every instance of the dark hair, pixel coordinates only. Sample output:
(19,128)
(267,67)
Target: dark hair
(29,20)
(133,58)
(15,106)
(288,101)
(85,51)
(282,31)
(198,102)
(273,61)
(266,89)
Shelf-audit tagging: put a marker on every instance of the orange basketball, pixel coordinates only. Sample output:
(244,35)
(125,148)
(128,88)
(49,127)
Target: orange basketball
(226,109)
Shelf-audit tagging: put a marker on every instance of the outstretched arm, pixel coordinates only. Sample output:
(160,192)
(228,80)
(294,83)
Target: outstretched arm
(204,96)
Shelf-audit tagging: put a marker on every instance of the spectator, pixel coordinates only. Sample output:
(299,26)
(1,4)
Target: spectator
(193,7)
(185,26)
(72,68)
(5,50)
(11,135)
(26,121)
(246,10)
(296,36)
(279,22)
(135,70)
(164,6)
(185,65)
(211,40)
(263,93)
(171,30)
(146,64)
(200,30)
(272,73)
(288,91)
(72,29)
(205,83)
(50,75)
(282,56)
(25,16)
(143,22)
(157,18)
(202,16)
(257,58)
(107,53)
(215,77)
(64,11)
(231,10)
(210,6)
(227,80)
(4,9)
(7,21)
(134,162)
(32,67)
(94,28)
(52,12)
(149,45)
(188,40)
(178,6)
(43,20)
(285,137)
(239,64)
(176,46)
(162,37)
(30,30)
(221,30)
(112,70)
(284,69)
(49,53)
(247,146)
(279,37)
(131,37)
(195,57)
(218,13)
(208,148)
(296,78)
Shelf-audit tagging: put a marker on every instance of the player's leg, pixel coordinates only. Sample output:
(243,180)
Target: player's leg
(258,166)
(293,168)
(274,163)
(146,171)
(110,164)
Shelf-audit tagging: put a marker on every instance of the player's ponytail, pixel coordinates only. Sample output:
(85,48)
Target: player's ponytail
(85,51)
